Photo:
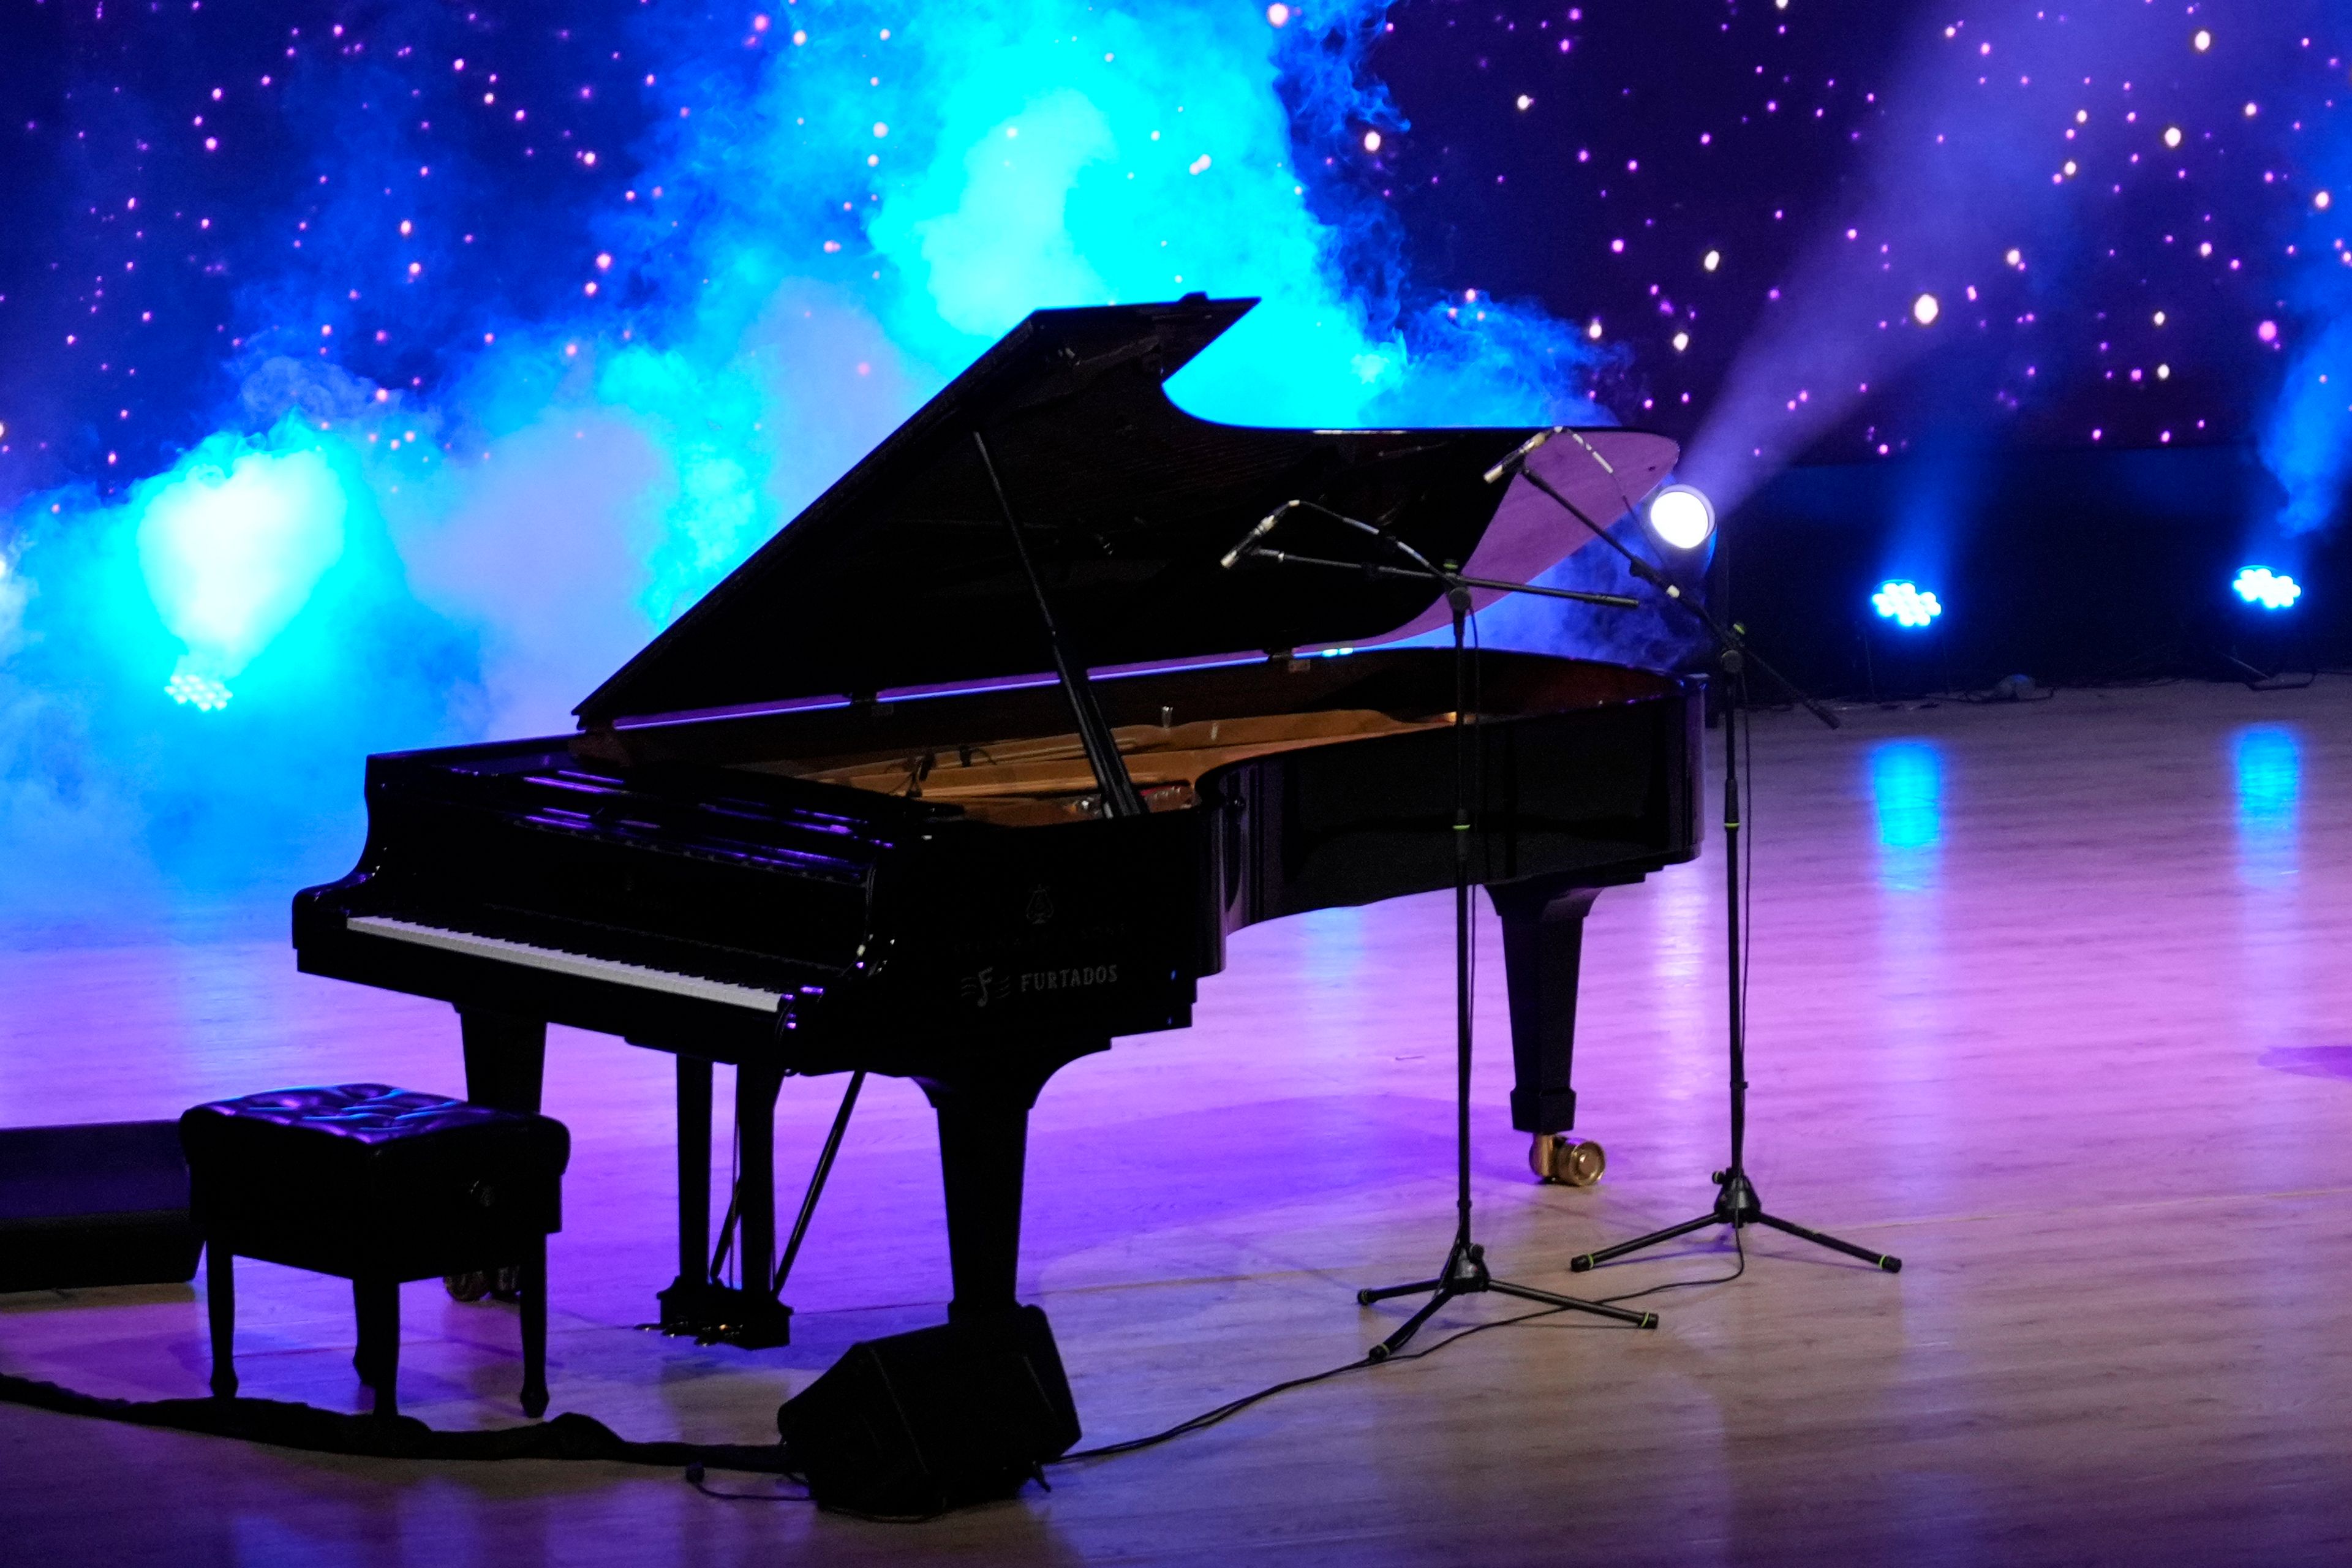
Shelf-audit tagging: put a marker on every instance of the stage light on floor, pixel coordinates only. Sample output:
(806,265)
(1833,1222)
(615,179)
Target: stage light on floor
(2271,590)
(1682,517)
(1906,605)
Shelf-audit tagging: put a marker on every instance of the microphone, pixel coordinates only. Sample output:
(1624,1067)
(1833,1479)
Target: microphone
(1265,526)
(1520,453)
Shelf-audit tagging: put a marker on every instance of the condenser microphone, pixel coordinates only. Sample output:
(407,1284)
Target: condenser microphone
(1265,526)
(1520,454)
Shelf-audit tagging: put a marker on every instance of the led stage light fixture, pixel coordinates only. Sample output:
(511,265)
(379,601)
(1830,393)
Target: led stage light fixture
(1682,517)
(1906,605)
(2271,590)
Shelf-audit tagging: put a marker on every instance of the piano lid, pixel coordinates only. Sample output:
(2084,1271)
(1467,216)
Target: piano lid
(904,575)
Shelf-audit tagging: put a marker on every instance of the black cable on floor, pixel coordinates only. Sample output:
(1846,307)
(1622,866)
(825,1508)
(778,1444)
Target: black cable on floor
(694,1478)
(1235,1406)
(1739,1243)
(286,1425)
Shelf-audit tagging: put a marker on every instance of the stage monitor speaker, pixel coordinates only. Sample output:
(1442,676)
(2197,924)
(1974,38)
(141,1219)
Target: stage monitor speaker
(917,1424)
(100,1205)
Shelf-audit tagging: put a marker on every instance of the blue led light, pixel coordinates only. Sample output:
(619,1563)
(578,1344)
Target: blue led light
(2271,590)
(1905,604)
(198,691)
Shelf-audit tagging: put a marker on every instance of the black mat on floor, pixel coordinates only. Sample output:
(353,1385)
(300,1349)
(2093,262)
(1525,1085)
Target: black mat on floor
(308,1427)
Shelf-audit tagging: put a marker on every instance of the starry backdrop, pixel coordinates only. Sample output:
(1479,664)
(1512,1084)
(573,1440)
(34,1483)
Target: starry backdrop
(378,374)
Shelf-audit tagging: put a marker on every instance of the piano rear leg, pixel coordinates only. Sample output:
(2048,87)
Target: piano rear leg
(1543,947)
(506,1067)
(983,1156)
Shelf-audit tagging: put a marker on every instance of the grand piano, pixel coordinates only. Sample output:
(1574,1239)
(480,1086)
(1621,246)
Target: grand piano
(973,769)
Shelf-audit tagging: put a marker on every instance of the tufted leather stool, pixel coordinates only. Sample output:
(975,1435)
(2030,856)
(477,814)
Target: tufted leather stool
(377,1185)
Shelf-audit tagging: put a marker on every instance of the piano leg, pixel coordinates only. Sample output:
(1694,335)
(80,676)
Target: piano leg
(983,1148)
(506,1064)
(1543,947)
(755,1132)
(983,1151)
(693,1170)
(506,1059)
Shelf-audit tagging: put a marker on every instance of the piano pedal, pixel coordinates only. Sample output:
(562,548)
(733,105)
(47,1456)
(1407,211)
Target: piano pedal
(1561,1161)
(710,1313)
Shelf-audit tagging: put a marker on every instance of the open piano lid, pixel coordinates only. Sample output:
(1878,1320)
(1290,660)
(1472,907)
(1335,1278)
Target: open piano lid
(904,575)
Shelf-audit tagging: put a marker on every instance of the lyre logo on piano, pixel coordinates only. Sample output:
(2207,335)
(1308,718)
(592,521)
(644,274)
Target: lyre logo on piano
(1041,905)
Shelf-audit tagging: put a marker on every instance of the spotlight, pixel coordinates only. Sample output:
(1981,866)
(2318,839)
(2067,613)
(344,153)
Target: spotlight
(1682,517)
(2271,590)
(1906,605)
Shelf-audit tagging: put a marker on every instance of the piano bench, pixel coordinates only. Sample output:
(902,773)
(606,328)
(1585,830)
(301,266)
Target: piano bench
(376,1185)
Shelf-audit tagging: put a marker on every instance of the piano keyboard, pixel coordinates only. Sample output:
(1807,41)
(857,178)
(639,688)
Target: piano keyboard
(557,961)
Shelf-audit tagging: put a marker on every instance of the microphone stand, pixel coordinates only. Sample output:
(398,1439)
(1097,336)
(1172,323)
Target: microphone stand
(1464,1272)
(1736,1202)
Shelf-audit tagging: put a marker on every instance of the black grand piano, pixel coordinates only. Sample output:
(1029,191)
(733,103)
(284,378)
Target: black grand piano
(846,814)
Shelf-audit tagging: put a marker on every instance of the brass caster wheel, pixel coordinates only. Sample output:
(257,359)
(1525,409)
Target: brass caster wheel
(1561,1160)
(468,1287)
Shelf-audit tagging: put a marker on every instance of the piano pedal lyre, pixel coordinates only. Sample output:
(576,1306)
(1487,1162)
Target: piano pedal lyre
(503,1284)
(1561,1161)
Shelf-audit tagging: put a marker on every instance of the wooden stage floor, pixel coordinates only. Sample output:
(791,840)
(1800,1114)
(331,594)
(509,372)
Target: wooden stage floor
(2052,1001)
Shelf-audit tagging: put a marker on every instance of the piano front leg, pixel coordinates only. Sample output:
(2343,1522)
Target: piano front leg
(693,1174)
(755,1131)
(505,1067)
(506,1058)
(1543,949)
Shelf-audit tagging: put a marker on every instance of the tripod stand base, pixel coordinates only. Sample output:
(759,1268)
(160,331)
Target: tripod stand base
(1735,1205)
(1466,1275)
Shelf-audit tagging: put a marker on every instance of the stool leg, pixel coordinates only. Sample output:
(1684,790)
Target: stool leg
(534,1327)
(377,1304)
(220,1308)
(363,1349)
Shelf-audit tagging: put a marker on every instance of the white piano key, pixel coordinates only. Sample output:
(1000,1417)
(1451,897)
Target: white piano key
(557,961)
